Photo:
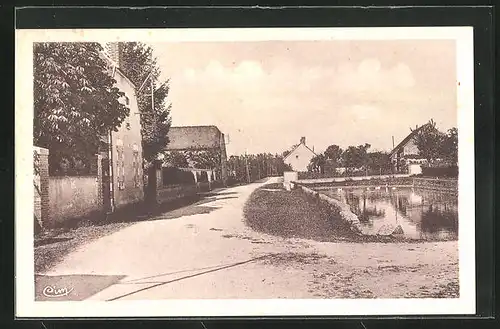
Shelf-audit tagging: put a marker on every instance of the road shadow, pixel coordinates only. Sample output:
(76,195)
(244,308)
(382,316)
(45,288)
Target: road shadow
(186,211)
(76,287)
(50,240)
(215,194)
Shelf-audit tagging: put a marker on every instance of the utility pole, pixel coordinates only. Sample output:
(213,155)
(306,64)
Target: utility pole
(246,165)
(258,167)
(153,107)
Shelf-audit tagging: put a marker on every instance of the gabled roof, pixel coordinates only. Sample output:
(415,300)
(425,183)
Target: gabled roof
(115,67)
(193,138)
(296,147)
(406,139)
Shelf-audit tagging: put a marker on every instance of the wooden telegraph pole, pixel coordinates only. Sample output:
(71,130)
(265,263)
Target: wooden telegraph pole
(246,165)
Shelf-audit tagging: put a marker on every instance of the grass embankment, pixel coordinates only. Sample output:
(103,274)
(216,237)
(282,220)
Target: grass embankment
(292,214)
(52,245)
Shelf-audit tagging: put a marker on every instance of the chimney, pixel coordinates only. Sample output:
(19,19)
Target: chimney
(303,140)
(113,50)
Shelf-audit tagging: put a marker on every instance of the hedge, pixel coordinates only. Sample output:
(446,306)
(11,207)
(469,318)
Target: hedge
(175,176)
(439,171)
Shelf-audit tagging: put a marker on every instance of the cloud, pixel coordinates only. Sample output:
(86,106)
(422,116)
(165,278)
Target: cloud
(248,70)
(369,76)
(364,112)
(216,72)
(366,78)
(270,108)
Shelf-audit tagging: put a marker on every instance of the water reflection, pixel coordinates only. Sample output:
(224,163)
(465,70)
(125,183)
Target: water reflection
(422,214)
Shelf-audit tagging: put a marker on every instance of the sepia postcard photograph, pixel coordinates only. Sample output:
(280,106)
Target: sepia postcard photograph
(244,172)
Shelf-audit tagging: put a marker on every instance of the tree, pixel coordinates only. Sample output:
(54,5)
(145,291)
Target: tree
(355,156)
(317,164)
(429,141)
(75,100)
(176,159)
(205,159)
(378,162)
(285,153)
(140,67)
(450,146)
(333,153)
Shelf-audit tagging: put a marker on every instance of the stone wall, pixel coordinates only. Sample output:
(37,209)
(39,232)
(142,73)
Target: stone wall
(57,199)
(169,194)
(72,197)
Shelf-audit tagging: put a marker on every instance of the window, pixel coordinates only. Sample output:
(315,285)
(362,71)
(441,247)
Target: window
(136,166)
(120,167)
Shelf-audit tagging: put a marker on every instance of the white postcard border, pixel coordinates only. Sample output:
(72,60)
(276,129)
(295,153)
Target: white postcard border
(24,267)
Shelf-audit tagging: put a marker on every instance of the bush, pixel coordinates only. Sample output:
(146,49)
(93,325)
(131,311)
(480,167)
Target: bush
(440,171)
(175,176)
(202,177)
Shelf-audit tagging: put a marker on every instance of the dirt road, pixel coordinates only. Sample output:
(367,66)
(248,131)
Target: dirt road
(210,253)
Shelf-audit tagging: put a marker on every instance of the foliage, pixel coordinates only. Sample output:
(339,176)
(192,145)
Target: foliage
(355,156)
(317,164)
(75,101)
(138,64)
(378,162)
(429,141)
(450,146)
(445,171)
(205,159)
(333,153)
(285,153)
(175,176)
(259,166)
(176,159)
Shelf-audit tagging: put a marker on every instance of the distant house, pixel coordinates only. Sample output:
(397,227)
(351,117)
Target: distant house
(300,157)
(122,164)
(200,138)
(405,156)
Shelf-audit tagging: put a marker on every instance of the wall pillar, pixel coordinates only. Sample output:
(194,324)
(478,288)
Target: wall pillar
(100,193)
(41,186)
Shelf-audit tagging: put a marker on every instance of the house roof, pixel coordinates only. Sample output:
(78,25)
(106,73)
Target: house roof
(406,140)
(296,147)
(113,64)
(193,138)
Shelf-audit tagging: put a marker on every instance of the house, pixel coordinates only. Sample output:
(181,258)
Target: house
(201,138)
(300,156)
(405,156)
(116,178)
(122,163)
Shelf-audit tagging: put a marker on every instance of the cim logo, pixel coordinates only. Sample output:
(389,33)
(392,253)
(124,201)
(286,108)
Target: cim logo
(53,291)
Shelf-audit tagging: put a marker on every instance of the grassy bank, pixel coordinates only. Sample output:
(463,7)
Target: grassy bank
(292,214)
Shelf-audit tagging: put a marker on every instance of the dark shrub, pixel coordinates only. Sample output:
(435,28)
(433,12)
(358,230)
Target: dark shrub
(203,177)
(175,176)
(440,171)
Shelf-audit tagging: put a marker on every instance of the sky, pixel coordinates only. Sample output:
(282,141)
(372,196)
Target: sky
(266,95)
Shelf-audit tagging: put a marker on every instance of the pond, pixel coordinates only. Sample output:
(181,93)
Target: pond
(422,214)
